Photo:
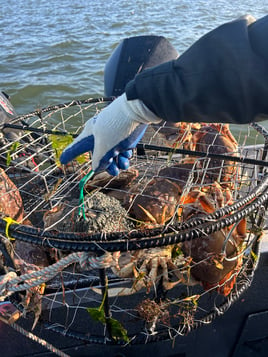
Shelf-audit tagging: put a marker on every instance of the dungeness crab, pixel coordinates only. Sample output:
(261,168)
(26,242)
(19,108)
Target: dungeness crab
(156,203)
(206,138)
(216,258)
(146,268)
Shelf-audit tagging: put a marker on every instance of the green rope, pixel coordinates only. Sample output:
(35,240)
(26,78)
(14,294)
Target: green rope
(81,188)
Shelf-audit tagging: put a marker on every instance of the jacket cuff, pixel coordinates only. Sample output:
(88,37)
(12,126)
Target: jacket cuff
(131,91)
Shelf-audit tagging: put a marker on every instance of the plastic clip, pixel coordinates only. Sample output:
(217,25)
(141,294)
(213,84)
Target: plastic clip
(9,221)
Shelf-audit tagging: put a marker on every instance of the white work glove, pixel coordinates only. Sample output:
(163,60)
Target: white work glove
(112,134)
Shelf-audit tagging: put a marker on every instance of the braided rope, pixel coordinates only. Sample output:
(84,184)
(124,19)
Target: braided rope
(11,283)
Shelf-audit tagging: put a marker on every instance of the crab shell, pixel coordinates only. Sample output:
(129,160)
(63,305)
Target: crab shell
(211,266)
(147,268)
(104,180)
(178,135)
(216,257)
(11,204)
(157,203)
(217,139)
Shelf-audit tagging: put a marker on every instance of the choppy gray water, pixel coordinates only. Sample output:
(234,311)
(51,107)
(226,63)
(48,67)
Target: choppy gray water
(55,51)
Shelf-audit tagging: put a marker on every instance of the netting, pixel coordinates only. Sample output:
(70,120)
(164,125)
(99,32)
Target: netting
(161,249)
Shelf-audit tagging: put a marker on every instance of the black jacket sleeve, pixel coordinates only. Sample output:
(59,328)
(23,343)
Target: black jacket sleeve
(223,77)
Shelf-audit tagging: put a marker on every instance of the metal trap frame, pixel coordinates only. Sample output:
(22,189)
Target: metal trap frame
(72,245)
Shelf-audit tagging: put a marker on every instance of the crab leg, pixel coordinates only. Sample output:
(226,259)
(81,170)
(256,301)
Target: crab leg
(167,285)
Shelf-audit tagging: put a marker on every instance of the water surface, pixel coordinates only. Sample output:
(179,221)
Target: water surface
(55,51)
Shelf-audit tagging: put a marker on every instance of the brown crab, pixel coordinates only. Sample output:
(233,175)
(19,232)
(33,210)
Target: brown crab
(11,204)
(145,268)
(177,135)
(217,257)
(211,138)
(215,139)
(218,139)
(156,203)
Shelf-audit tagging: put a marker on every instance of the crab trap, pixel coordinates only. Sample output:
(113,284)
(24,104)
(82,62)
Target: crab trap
(152,254)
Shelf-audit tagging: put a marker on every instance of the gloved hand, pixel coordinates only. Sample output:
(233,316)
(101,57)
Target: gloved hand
(111,134)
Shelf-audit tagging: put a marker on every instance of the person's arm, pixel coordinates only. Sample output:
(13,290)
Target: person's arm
(223,77)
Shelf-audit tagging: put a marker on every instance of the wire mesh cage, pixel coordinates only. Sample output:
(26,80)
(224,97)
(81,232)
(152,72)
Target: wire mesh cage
(161,249)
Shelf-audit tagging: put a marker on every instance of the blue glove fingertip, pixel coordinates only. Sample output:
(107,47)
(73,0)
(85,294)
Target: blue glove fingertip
(127,154)
(113,169)
(65,157)
(123,162)
(76,149)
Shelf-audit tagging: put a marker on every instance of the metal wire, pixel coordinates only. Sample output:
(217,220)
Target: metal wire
(45,188)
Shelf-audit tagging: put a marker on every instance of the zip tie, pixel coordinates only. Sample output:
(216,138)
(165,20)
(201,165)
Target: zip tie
(81,197)
(9,221)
